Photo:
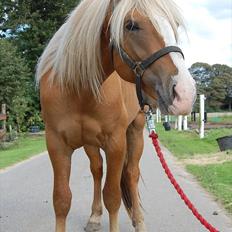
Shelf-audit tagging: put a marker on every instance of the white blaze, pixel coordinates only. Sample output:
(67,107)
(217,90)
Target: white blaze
(185,88)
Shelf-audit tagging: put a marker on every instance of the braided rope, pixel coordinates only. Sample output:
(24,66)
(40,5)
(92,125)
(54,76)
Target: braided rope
(180,191)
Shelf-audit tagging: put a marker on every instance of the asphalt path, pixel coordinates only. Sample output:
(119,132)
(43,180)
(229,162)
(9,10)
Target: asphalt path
(26,203)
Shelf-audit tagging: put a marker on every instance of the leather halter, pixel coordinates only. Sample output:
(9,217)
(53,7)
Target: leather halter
(139,67)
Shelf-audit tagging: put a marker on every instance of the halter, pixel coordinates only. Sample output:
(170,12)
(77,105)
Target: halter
(139,67)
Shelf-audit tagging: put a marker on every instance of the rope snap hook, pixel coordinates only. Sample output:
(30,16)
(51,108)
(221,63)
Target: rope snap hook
(150,120)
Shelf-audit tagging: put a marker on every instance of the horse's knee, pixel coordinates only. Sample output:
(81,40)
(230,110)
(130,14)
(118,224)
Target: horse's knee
(115,159)
(132,174)
(112,195)
(62,197)
(112,200)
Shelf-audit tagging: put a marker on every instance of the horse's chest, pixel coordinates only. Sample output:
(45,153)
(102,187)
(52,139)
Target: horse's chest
(84,131)
(92,132)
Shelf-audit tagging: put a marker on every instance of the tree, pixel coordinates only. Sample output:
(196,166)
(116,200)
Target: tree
(29,25)
(202,73)
(216,83)
(216,93)
(14,73)
(19,110)
(14,80)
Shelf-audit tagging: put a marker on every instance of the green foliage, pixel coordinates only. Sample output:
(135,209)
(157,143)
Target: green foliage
(14,82)
(19,108)
(1,124)
(35,120)
(217,178)
(32,23)
(14,73)
(216,83)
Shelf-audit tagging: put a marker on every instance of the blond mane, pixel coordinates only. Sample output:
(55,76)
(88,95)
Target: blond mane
(74,52)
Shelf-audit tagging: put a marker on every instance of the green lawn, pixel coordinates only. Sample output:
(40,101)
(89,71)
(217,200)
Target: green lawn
(24,148)
(216,178)
(224,119)
(187,144)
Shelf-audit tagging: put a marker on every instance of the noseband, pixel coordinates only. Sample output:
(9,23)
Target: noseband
(139,67)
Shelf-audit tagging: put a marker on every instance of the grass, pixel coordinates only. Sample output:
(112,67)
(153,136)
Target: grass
(24,148)
(216,178)
(187,144)
(220,119)
(224,119)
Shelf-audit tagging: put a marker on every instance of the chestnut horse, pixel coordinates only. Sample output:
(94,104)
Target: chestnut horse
(88,98)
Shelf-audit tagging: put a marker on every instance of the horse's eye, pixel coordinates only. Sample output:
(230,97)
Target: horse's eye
(132,26)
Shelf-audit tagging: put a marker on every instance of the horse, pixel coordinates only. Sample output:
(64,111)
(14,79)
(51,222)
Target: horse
(93,76)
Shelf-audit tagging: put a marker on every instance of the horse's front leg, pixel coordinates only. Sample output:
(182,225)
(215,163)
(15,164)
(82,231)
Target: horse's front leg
(115,156)
(132,171)
(60,155)
(94,223)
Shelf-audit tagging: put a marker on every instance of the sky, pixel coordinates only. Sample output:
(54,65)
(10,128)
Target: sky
(209,31)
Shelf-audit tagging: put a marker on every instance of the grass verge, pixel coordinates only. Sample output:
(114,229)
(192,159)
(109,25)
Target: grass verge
(24,148)
(224,119)
(215,177)
(187,144)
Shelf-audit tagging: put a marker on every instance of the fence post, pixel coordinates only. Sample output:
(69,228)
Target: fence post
(202,116)
(158,115)
(185,123)
(166,118)
(176,123)
(180,119)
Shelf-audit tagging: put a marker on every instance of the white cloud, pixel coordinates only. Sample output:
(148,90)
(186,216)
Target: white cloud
(209,27)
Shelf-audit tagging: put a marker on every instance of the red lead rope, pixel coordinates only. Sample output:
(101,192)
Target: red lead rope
(154,138)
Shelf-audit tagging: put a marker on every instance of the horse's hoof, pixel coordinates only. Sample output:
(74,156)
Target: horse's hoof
(93,227)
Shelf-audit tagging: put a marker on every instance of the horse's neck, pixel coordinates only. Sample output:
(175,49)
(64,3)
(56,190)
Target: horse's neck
(116,90)
(112,80)
(111,89)
(106,51)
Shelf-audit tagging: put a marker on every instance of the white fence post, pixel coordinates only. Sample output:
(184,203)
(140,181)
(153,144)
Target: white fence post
(185,123)
(158,115)
(176,123)
(202,116)
(180,119)
(166,118)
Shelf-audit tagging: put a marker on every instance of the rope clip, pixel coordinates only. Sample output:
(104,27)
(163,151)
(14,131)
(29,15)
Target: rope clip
(149,120)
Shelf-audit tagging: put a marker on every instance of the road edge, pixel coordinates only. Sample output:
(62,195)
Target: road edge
(11,167)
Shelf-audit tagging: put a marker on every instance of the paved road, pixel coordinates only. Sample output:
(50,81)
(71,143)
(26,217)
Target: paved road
(26,204)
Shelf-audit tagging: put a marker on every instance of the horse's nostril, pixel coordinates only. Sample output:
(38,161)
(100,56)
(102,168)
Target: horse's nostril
(174,94)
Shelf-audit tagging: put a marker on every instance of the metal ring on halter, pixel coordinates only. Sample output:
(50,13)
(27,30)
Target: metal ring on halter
(138,70)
